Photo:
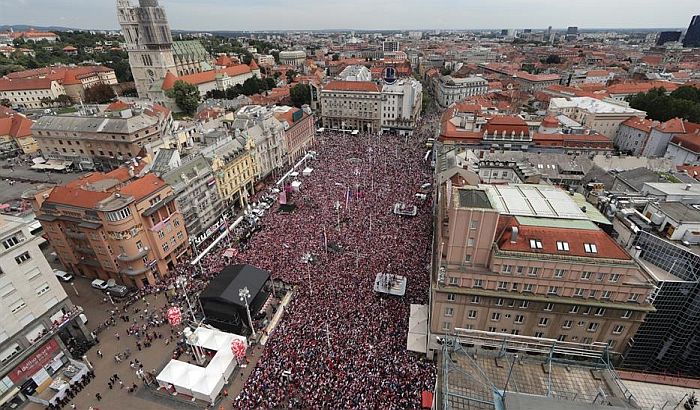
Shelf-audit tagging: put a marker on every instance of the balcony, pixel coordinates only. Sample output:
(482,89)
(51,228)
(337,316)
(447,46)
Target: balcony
(134,272)
(123,257)
(75,235)
(85,250)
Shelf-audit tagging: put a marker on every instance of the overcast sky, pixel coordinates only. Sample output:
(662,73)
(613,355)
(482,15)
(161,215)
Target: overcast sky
(237,15)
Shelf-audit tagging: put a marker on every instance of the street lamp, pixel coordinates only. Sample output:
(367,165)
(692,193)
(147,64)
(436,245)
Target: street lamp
(244,294)
(74,289)
(181,282)
(109,295)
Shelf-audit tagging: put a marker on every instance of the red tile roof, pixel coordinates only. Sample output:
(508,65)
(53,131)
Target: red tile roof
(143,186)
(118,105)
(691,139)
(641,87)
(672,126)
(253,65)
(7,84)
(639,124)
(14,124)
(576,238)
(77,197)
(361,86)
(692,170)
(205,76)
(507,123)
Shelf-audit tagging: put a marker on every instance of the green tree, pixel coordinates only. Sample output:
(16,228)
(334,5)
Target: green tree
(99,93)
(687,93)
(300,94)
(336,57)
(553,59)
(661,106)
(271,83)
(63,100)
(290,76)
(186,96)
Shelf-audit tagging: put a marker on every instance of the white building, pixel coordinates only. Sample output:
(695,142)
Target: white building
(355,73)
(449,89)
(602,116)
(38,320)
(294,58)
(265,59)
(390,46)
(401,106)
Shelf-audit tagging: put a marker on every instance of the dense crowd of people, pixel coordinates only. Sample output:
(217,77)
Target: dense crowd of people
(339,344)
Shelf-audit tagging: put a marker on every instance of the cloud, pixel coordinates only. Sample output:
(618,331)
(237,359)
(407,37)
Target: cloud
(366,14)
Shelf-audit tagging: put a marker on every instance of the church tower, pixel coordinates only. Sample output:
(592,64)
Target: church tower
(149,44)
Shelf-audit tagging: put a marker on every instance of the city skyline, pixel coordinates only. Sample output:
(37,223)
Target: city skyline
(217,15)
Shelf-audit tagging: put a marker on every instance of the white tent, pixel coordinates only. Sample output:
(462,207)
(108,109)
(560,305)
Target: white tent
(417,339)
(296,186)
(203,383)
(307,171)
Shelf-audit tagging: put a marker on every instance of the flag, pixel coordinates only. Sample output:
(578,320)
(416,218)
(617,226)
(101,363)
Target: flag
(347,197)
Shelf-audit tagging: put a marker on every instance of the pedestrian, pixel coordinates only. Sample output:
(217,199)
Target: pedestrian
(99,353)
(109,385)
(116,335)
(121,384)
(134,386)
(116,376)
(98,396)
(73,406)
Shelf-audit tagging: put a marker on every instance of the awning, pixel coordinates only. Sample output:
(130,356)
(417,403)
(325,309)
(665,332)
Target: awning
(9,395)
(417,339)
(426,399)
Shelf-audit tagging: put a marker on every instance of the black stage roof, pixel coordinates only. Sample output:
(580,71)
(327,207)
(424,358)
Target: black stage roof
(225,286)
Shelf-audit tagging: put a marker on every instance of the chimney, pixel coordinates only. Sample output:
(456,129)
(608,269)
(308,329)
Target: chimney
(514,234)
(688,186)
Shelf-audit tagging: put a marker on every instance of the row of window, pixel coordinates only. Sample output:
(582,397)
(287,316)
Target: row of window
(119,215)
(524,304)
(559,273)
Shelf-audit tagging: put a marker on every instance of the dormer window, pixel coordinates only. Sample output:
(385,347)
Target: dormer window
(535,244)
(562,246)
(590,248)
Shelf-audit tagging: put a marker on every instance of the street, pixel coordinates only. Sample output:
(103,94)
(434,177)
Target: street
(25,178)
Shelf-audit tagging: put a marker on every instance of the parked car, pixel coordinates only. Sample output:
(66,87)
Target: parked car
(62,275)
(83,318)
(118,291)
(101,284)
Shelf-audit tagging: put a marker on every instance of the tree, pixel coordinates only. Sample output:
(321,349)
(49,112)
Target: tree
(99,93)
(300,94)
(336,57)
(552,59)
(271,83)
(186,96)
(63,100)
(661,106)
(290,76)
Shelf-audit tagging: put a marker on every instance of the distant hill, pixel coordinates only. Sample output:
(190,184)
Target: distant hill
(24,27)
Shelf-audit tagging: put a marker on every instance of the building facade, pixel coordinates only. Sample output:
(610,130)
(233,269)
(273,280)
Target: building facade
(294,58)
(542,270)
(449,89)
(38,319)
(113,226)
(632,135)
(402,106)
(102,142)
(668,340)
(233,164)
(258,123)
(196,194)
(352,105)
(299,130)
(602,116)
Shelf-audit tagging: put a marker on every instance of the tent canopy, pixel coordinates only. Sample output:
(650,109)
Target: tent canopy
(225,286)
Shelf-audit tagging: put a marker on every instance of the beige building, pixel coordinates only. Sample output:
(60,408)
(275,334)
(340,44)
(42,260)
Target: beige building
(113,226)
(525,260)
(602,116)
(233,164)
(101,142)
(355,105)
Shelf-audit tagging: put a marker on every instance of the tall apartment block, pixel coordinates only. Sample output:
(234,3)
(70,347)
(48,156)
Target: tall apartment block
(113,226)
(39,326)
(527,260)
(692,35)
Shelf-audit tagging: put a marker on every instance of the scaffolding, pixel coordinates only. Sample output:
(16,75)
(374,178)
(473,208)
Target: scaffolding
(480,368)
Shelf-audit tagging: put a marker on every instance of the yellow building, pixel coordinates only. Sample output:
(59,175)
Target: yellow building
(234,167)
